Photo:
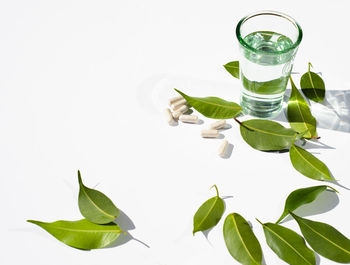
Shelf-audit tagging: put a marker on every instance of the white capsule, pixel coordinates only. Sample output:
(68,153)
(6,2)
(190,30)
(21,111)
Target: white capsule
(180,111)
(188,118)
(223,148)
(218,125)
(174,99)
(169,117)
(178,104)
(210,133)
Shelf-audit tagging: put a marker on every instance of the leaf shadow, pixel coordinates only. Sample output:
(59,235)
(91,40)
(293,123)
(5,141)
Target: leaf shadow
(317,258)
(206,235)
(124,221)
(335,182)
(325,202)
(314,144)
(126,224)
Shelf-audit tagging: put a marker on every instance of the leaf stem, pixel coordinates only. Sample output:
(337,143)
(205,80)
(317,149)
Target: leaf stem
(309,64)
(316,137)
(217,191)
(79,178)
(240,123)
(333,189)
(259,221)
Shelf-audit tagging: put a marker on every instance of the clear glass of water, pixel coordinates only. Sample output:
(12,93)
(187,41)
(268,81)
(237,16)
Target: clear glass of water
(268,42)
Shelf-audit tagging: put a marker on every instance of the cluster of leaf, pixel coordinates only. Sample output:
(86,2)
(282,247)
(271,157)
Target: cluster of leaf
(97,230)
(267,135)
(288,245)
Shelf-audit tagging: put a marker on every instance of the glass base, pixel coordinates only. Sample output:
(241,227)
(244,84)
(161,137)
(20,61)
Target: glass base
(261,106)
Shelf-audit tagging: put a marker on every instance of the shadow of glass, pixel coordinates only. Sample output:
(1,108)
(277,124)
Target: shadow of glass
(325,202)
(333,113)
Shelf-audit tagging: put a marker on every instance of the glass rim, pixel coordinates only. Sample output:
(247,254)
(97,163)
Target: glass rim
(274,13)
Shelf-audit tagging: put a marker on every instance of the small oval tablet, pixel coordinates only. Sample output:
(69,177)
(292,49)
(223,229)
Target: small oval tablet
(210,133)
(218,125)
(188,118)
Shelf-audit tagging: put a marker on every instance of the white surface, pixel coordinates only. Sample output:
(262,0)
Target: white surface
(83,85)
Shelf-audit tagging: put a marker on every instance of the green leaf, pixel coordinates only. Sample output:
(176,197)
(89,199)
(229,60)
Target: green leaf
(312,86)
(213,107)
(267,135)
(308,165)
(233,68)
(81,234)
(301,197)
(95,206)
(241,241)
(209,214)
(288,245)
(325,239)
(299,114)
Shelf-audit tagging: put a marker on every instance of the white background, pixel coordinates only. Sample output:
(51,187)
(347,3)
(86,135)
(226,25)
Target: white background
(83,85)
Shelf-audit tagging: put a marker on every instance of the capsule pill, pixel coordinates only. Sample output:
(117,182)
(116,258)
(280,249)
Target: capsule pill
(178,104)
(180,111)
(174,99)
(218,124)
(223,148)
(169,117)
(210,133)
(188,118)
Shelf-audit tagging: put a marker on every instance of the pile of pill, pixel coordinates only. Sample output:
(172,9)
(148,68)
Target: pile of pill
(178,108)
(177,111)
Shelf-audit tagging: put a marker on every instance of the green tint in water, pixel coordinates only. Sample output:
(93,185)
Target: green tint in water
(267,44)
(271,87)
(265,71)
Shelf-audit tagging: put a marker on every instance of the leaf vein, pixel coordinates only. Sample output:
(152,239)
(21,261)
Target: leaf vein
(244,245)
(308,162)
(286,242)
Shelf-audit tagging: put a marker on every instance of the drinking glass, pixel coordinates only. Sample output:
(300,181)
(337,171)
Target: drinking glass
(268,42)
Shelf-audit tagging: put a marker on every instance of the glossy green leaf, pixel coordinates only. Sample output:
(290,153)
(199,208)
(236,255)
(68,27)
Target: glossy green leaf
(81,234)
(299,114)
(325,239)
(213,107)
(233,68)
(209,214)
(95,206)
(241,241)
(312,86)
(308,165)
(301,197)
(267,135)
(288,245)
